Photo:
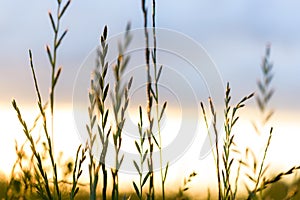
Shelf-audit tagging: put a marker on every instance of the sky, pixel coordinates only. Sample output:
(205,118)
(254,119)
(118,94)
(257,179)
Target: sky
(233,33)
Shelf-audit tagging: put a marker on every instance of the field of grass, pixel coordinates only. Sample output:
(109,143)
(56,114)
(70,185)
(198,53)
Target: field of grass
(240,173)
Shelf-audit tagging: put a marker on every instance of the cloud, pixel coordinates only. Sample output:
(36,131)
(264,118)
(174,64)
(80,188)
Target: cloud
(234,32)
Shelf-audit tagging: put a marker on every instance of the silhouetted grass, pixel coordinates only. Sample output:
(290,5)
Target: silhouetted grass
(36,180)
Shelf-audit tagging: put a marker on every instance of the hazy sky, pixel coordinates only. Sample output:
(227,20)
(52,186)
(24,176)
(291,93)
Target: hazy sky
(234,33)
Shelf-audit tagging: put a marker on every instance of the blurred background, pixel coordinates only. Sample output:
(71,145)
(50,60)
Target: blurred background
(234,33)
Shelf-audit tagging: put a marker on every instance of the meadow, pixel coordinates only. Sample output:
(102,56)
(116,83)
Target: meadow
(99,164)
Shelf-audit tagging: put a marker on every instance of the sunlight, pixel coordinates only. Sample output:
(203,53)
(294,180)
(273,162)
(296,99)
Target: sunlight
(282,152)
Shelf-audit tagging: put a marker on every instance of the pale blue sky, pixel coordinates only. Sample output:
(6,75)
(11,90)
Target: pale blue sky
(233,32)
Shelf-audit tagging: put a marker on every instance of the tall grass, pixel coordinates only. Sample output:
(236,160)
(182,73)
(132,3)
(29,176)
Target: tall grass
(143,156)
(93,166)
(120,101)
(226,188)
(43,188)
(25,177)
(55,73)
(49,188)
(77,171)
(265,89)
(97,96)
(102,93)
(39,181)
(153,94)
(151,192)
(263,98)
(231,119)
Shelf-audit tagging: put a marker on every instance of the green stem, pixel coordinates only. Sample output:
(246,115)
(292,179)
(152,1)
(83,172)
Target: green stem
(53,65)
(104,187)
(263,161)
(208,132)
(151,194)
(157,97)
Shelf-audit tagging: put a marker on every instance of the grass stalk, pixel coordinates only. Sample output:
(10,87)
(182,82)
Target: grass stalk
(120,101)
(97,108)
(143,155)
(101,89)
(259,176)
(44,189)
(185,187)
(225,189)
(52,55)
(266,91)
(208,131)
(49,141)
(230,121)
(151,191)
(43,186)
(153,94)
(159,113)
(102,94)
(27,171)
(277,178)
(217,156)
(263,99)
(93,166)
(77,171)
(236,182)
(218,168)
